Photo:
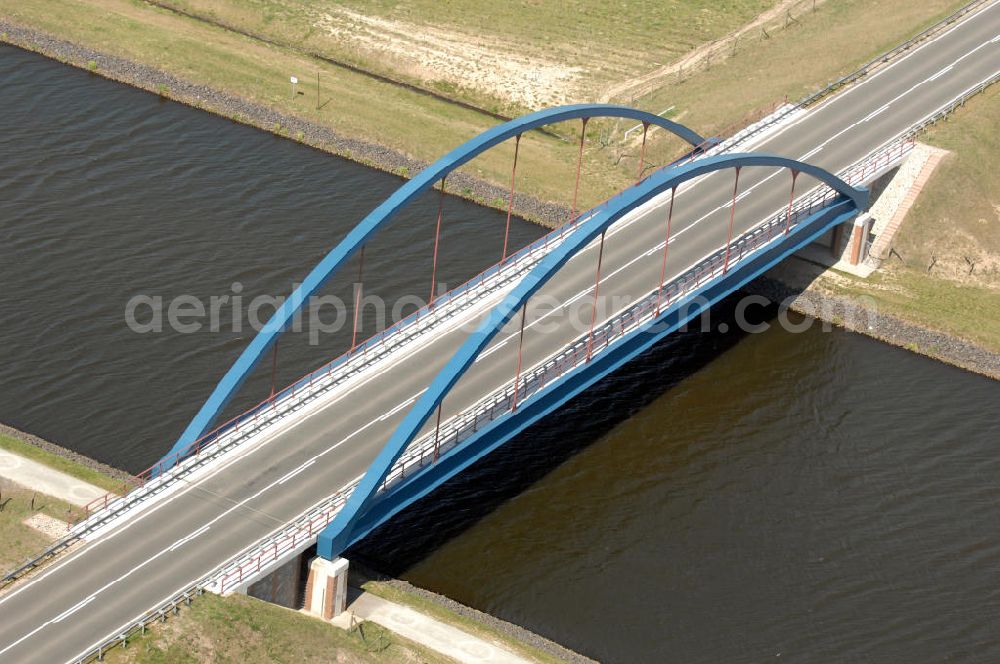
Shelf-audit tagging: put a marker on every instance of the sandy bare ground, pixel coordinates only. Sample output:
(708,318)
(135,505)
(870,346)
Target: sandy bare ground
(466,60)
(720,48)
(959,259)
(49,526)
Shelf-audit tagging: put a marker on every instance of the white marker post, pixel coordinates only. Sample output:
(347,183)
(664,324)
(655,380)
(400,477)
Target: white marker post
(294,81)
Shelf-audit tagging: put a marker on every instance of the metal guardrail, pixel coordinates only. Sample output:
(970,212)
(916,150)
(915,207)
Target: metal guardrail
(868,67)
(949,108)
(138,628)
(888,155)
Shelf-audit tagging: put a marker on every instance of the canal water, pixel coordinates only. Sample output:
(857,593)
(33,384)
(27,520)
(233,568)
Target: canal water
(108,193)
(811,496)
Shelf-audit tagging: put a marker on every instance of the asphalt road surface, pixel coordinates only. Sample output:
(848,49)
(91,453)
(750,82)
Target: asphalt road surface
(98,590)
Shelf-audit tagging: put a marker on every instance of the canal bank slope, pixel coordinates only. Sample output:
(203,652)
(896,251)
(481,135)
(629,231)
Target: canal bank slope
(244,78)
(912,299)
(44,486)
(938,291)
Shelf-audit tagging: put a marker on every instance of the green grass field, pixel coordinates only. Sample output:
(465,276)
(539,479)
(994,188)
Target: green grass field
(816,49)
(956,217)
(18,542)
(586,44)
(248,631)
(60,463)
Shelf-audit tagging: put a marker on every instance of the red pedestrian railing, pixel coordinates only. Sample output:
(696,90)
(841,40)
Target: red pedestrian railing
(428,449)
(300,533)
(450,434)
(375,347)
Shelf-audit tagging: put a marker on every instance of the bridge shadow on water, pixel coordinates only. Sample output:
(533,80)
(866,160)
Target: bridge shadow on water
(458,504)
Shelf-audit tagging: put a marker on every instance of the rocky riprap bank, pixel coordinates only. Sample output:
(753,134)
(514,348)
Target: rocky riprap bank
(262,117)
(847,313)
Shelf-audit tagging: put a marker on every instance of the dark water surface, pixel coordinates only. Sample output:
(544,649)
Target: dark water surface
(815,497)
(107,192)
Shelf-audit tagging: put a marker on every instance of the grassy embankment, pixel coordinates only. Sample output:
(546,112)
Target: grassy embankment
(505,57)
(20,541)
(249,631)
(243,629)
(945,274)
(60,463)
(445,615)
(594,41)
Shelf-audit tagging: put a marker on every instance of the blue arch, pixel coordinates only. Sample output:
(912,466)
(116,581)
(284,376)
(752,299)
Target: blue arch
(337,536)
(376,219)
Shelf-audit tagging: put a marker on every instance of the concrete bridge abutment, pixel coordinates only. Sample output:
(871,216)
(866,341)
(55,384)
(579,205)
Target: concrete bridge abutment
(326,587)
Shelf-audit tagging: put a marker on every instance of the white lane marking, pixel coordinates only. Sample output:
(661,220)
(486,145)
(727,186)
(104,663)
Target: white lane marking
(401,406)
(70,611)
(874,113)
(811,153)
(941,73)
(184,540)
(289,475)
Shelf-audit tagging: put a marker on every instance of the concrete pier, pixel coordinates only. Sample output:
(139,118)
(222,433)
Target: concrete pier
(326,587)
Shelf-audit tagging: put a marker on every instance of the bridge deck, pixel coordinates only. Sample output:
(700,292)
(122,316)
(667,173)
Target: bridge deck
(103,586)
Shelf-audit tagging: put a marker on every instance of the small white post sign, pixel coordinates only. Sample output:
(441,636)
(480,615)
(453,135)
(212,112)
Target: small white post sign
(294,81)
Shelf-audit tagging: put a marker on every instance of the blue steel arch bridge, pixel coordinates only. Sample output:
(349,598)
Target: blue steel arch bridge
(611,339)
(344,448)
